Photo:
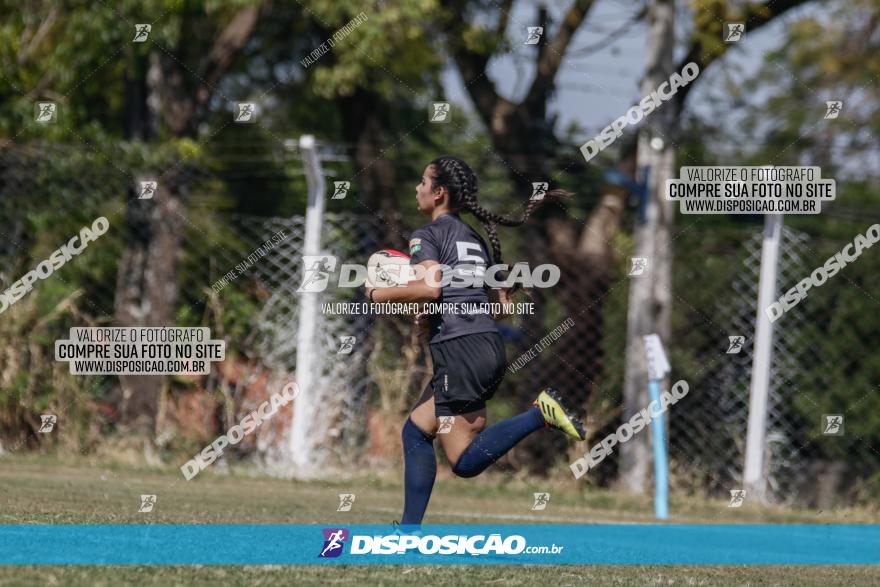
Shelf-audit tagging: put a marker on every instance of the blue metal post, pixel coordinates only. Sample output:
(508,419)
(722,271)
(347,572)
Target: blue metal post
(661,463)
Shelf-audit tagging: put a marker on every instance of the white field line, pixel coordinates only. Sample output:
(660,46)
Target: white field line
(534,517)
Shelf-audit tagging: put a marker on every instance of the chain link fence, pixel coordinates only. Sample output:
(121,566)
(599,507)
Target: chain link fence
(707,437)
(814,371)
(819,366)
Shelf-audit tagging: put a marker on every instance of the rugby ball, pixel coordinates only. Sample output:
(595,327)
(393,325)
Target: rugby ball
(388,268)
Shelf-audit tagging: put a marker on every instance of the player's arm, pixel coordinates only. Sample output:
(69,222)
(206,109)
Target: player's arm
(424,289)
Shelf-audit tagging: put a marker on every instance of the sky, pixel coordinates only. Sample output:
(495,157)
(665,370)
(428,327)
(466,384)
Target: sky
(599,85)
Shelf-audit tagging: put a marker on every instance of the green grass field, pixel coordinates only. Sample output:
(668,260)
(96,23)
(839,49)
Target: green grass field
(47,491)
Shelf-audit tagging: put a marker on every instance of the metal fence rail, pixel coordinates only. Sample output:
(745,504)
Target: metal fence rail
(715,292)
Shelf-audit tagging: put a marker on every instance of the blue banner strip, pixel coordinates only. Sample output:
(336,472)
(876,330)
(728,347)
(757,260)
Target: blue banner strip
(261,544)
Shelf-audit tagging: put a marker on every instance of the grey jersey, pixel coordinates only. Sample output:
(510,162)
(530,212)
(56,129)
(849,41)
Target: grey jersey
(451,241)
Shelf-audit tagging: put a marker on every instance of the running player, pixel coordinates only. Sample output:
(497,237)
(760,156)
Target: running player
(467,350)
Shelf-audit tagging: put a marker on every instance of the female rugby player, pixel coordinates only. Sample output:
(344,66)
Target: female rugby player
(466,349)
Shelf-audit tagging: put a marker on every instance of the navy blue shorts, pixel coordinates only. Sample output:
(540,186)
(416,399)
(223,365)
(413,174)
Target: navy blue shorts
(467,371)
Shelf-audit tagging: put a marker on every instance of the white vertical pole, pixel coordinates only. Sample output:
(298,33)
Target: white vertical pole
(753,473)
(302,439)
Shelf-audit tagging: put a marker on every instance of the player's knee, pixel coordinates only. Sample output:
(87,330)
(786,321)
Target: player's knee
(461,471)
(412,431)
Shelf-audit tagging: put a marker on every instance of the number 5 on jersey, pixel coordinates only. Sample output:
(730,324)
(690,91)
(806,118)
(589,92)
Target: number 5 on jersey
(464,250)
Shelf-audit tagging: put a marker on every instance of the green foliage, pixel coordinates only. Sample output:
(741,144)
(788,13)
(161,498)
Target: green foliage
(841,330)
(389,52)
(81,55)
(830,54)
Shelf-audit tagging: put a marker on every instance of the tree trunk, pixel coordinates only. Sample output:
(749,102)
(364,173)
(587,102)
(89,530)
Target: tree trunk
(376,177)
(573,364)
(146,289)
(650,292)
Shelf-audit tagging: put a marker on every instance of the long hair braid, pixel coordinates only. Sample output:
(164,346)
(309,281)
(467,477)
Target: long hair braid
(461,183)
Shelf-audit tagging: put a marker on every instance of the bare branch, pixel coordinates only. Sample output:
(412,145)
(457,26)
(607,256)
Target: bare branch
(25,54)
(227,47)
(611,36)
(552,57)
(754,15)
(504,17)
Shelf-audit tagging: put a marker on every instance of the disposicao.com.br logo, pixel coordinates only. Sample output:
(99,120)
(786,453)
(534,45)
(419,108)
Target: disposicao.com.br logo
(334,540)
(431,544)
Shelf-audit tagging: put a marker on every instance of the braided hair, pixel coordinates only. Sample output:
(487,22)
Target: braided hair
(461,183)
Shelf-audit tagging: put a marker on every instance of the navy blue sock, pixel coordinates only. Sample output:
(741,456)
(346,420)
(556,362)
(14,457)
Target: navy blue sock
(420,469)
(493,443)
